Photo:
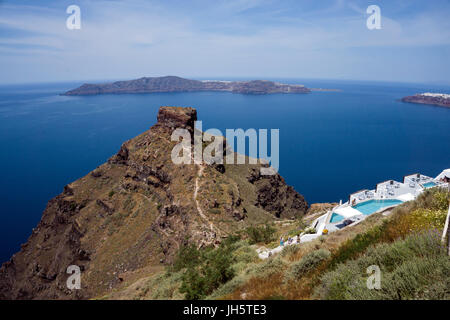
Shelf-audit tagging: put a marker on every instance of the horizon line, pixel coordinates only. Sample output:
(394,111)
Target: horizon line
(229,78)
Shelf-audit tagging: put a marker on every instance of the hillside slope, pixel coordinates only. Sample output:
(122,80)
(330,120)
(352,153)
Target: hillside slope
(404,242)
(127,218)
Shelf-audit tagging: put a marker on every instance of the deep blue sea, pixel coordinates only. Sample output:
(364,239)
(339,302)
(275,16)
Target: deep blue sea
(331,143)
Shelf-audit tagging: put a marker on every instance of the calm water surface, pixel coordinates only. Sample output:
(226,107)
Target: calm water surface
(331,143)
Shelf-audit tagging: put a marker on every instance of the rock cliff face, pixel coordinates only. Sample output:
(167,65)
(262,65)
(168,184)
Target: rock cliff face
(177,84)
(275,196)
(437,100)
(131,215)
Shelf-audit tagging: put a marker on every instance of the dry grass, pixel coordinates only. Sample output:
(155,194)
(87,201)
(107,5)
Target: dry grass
(273,287)
(258,288)
(427,212)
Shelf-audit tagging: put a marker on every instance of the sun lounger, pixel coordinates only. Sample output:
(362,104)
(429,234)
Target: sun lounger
(347,222)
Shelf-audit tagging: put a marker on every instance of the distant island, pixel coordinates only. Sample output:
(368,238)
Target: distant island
(177,84)
(437,99)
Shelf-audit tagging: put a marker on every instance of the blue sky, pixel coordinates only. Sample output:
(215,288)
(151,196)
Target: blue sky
(325,39)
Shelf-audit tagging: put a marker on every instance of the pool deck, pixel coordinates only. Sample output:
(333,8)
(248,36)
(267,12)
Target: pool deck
(347,211)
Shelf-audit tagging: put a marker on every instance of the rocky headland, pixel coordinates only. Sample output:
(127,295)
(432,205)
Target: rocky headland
(436,99)
(127,218)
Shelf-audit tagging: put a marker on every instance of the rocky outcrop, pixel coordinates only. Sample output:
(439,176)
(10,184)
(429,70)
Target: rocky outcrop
(275,196)
(134,212)
(172,118)
(177,84)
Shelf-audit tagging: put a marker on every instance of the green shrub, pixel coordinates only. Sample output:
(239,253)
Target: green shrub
(424,244)
(434,199)
(423,218)
(187,256)
(259,234)
(207,269)
(239,267)
(245,254)
(414,268)
(290,250)
(310,230)
(306,264)
(352,247)
(164,286)
(201,281)
(267,268)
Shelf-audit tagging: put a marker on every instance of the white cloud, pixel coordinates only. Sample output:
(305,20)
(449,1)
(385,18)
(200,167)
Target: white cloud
(140,38)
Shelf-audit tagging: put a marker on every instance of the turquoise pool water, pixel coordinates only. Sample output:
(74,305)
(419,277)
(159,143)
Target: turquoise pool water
(429,184)
(336,218)
(372,206)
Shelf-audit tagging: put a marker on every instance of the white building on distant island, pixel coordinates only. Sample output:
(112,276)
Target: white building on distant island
(436,95)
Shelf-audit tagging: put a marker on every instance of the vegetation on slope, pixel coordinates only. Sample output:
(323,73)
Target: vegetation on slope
(405,244)
(416,267)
